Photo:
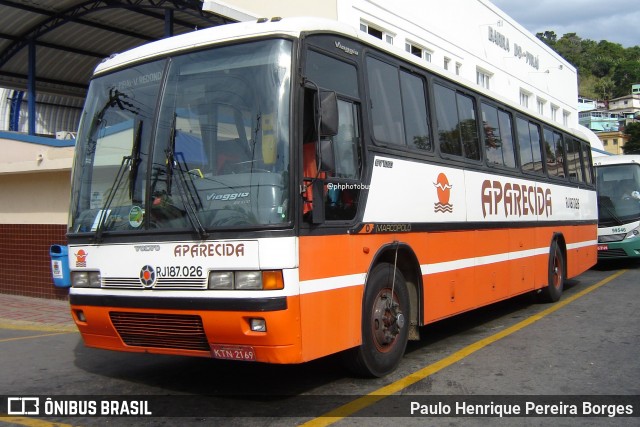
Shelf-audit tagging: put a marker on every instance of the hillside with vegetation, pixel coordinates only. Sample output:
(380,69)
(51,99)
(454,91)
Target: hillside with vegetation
(606,70)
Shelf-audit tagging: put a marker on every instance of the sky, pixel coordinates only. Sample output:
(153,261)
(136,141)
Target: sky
(617,22)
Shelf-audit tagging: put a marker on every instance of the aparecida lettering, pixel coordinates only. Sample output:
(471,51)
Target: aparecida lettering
(513,199)
(209,250)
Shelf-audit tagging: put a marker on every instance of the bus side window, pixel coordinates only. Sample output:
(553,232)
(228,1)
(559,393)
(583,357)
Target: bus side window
(414,105)
(457,123)
(588,167)
(468,127)
(498,136)
(447,120)
(574,164)
(554,153)
(530,146)
(386,104)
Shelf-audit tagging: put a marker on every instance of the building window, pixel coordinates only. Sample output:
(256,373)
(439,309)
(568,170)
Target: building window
(565,118)
(605,142)
(413,49)
(540,103)
(375,32)
(446,62)
(483,78)
(615,141)
(554,113)
(524,99)
(418,51)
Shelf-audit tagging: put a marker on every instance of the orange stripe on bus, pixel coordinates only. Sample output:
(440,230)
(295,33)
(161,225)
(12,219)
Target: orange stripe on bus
(341,255)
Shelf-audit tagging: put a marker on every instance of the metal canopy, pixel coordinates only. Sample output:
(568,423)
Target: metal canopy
(66,39)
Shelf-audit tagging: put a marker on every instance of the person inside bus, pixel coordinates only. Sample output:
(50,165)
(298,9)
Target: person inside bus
(630,194)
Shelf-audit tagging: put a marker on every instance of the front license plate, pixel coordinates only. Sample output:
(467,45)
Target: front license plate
(603,247)
(233,352)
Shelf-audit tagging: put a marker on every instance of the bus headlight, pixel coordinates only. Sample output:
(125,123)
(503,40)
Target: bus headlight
(85,279)
(249,280)
(220,280)
(633,233)
(246,280)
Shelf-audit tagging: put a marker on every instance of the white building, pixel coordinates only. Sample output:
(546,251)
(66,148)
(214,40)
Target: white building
(628,104)
(471,38)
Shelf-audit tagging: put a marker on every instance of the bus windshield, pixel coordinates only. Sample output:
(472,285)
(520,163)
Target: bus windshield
(198,142)
(618,194)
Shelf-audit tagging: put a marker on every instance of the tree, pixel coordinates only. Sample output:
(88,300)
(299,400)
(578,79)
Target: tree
(632,146)
(569,46)
(604,87)
(605,69)
(626,73)
(548,37)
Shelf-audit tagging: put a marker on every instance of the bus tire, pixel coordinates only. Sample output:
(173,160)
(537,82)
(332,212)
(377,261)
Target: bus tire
(553,291)
(385,324)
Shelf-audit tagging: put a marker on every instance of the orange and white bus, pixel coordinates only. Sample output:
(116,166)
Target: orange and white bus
(281,191)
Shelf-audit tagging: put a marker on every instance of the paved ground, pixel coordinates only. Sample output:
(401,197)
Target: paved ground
(19,312)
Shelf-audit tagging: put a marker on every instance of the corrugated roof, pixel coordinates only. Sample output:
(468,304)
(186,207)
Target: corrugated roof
(72,37)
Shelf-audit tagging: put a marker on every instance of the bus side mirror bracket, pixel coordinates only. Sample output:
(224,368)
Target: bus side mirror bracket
(317,191)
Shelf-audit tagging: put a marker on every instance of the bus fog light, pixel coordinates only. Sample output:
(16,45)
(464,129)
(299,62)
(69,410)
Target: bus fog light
(249,280)
(258,325)
(220,280)
(80,315)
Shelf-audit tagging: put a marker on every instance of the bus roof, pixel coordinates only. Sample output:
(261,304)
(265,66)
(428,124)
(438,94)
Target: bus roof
(616,160)
(294,27)
(243,30)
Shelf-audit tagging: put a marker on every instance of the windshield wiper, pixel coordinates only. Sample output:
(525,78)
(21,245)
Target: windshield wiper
(135,159)
(104,211)
(610,211)
(188,193)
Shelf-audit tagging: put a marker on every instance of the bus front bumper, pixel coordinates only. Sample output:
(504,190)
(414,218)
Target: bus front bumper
(619,250)
(250,329)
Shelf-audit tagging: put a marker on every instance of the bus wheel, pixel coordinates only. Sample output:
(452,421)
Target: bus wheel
(384,323)
(553,291)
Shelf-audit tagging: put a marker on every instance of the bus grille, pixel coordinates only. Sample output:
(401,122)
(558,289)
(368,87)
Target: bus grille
(612,253)
(177,331)
(611,238)
(186,283)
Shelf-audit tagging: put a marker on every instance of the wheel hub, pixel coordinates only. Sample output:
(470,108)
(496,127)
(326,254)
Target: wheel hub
(387,320)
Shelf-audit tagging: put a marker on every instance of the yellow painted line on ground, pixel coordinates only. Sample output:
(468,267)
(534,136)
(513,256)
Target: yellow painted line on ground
(30,422)
(379,394)
(17,325)
(33,336)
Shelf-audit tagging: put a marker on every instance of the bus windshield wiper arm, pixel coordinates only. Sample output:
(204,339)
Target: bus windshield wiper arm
(117,181)
(185,191)
(613,215)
